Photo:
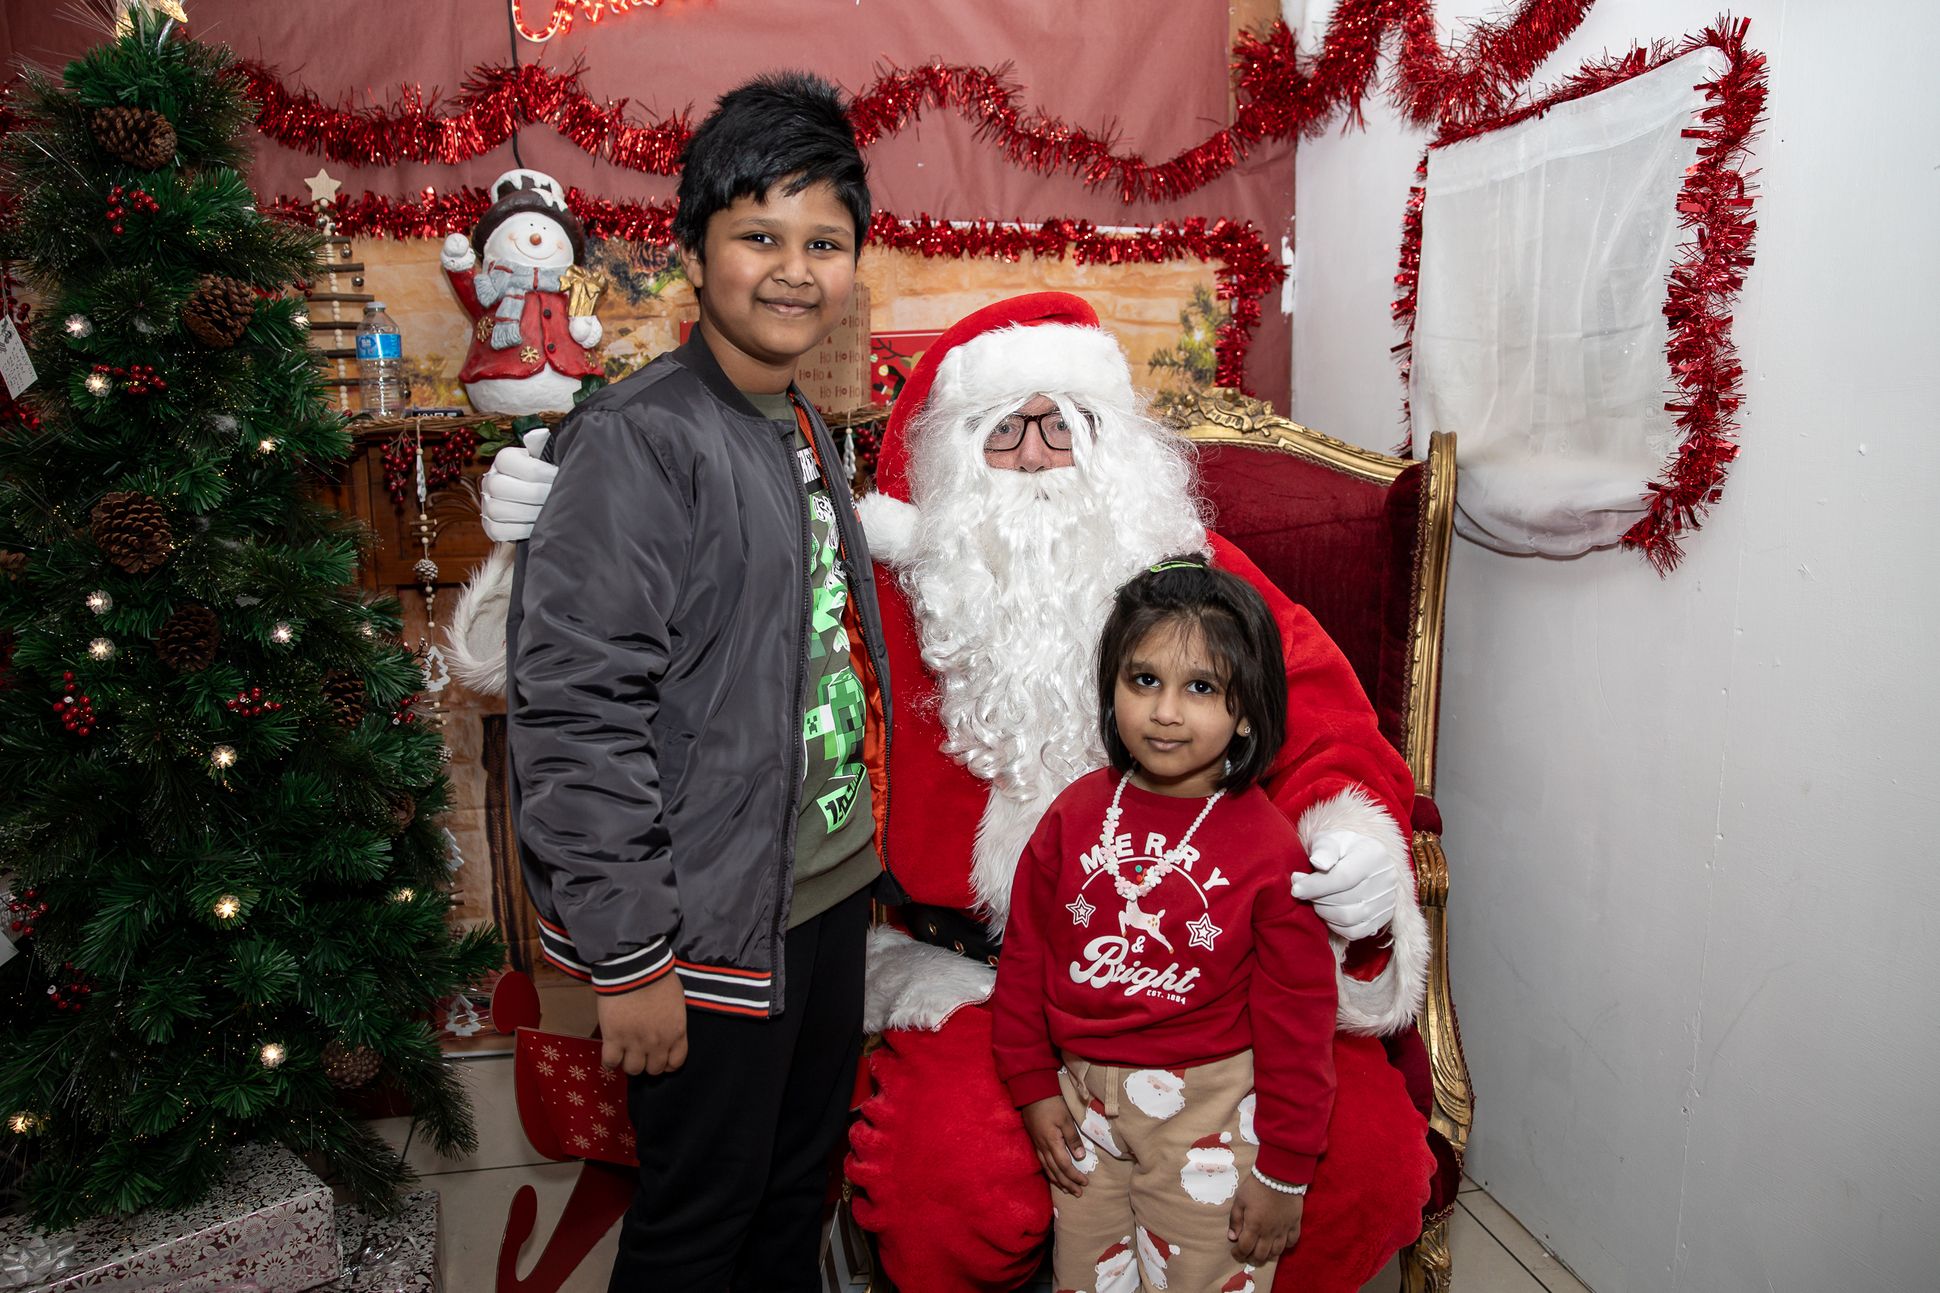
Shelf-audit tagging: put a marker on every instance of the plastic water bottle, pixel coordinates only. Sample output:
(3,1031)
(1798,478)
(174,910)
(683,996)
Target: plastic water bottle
(380,363)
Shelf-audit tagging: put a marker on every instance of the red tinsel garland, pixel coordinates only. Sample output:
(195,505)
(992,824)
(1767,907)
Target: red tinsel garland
(1246,271)
(1280,94)
(1706,274)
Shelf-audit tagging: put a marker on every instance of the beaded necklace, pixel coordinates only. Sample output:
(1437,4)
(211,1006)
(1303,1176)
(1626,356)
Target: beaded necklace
(1145,878)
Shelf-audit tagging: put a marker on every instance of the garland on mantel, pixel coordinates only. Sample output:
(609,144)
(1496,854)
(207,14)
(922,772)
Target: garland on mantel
(1715,205)
(1244,270)
(1280,94)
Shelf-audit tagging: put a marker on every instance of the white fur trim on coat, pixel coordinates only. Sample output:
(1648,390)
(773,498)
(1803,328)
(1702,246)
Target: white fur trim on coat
(888,525)
(914,985)
(1001,836)
(996,367)
(1390,1001)
(475,637)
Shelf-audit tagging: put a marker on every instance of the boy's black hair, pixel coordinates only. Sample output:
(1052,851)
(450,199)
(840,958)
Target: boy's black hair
(783,126)
(1240,636)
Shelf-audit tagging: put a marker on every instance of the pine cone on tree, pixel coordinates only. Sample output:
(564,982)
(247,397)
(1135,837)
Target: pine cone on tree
(344,694)
(139,137)
(219,310)
(349,1067)
(132,530)
(188,640)
(12,565)
(403,811)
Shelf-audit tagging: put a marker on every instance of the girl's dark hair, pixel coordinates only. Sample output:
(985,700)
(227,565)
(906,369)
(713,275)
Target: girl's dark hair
(1240,636)
(784,126)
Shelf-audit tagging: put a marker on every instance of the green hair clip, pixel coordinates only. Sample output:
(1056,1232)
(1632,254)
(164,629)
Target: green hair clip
(1177,565)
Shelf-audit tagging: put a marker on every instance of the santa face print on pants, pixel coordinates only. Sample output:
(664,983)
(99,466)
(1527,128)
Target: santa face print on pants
(1211,1173)
(1117,1269)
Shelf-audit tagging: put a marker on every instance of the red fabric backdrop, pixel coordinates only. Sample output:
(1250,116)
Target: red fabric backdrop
(1156,69)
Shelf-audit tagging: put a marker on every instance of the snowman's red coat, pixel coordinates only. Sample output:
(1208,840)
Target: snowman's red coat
(544,339)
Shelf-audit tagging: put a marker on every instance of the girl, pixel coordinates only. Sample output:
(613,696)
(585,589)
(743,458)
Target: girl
(1156,958)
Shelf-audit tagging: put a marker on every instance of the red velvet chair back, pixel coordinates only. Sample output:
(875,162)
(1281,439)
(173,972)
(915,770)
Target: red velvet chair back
(1351,535)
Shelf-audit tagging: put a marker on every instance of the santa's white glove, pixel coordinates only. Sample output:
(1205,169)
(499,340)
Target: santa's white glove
(585,329)
(514,490)
(1353,884)
(457,255)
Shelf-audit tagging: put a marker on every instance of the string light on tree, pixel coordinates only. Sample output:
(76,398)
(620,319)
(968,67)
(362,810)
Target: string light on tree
(79,327)
(97,383)
(100,602)
(266,445)
(228,907)
(223,756)
(101,649)
(272,1055)
(405,894)
(24,1123)
(282,634)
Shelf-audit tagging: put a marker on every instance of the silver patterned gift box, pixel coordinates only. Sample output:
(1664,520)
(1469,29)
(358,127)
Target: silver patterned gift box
(268,1227)
(396,1254)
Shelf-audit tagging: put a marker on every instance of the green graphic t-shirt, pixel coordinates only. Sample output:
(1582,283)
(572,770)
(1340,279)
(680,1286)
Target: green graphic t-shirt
(835,835)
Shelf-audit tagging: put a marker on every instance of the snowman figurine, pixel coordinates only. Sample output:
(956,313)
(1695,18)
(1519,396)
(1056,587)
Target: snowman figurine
(528,352)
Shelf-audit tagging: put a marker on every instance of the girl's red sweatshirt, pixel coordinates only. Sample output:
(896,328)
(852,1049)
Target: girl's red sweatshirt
(1215,957)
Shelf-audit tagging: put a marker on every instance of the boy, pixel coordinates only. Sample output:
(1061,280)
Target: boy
(696,715)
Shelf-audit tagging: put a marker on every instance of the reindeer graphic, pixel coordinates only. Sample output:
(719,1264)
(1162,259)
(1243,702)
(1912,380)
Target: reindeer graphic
(1146,922)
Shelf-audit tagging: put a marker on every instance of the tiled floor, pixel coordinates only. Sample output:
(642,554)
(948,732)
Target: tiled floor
(1493,1254)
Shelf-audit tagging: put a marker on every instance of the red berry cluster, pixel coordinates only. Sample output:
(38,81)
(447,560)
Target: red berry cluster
(141,378)
(25,907)
(406,712)
(445,461)
(250,704)
(13,411)
(77,712)
(73,994)
(137,197)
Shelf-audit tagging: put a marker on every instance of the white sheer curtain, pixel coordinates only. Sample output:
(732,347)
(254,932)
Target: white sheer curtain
(1539,326)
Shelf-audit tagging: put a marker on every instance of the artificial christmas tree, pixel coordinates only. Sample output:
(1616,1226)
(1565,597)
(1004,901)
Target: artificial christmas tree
(238,904)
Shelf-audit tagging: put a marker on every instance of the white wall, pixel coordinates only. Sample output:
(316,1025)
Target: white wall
(1696,918)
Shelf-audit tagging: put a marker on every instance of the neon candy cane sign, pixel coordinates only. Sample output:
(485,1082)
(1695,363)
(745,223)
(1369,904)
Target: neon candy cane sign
(565,12)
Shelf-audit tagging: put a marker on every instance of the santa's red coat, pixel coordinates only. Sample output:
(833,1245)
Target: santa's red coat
(544,336)
(944,1174)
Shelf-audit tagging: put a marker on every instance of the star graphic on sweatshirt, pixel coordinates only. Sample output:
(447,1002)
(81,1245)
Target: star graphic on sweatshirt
(1203,932)
(1080,912)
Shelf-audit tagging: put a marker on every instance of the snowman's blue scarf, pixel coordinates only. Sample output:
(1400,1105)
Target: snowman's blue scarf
(507,287)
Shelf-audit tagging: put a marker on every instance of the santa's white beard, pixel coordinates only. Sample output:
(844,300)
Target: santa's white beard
(1011,575)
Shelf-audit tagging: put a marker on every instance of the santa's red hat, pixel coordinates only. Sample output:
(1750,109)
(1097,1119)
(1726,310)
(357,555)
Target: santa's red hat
(1223,1140)
(1046,342)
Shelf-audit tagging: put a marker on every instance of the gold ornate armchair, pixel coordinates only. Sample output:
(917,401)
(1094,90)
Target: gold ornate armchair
(1361,540)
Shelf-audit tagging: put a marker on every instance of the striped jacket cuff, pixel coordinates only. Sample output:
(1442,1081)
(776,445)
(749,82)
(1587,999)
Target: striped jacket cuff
(623,973)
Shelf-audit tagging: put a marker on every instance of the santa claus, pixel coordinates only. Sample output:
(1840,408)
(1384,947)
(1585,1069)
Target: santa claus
(997,555)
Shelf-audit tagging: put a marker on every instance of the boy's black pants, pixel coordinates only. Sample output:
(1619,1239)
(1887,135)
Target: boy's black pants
(735,1145)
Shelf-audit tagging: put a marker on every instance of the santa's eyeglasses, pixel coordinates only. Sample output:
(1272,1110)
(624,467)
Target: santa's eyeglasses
(1052,428)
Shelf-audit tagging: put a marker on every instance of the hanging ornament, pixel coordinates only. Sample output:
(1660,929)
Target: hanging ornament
(188,639)
(219,311)
(72,992)
(343,694)
(76,711)
(251,703)
(349,1067)
(132,530)
(139,137)
(462,1018)
(24,910)
(403,811)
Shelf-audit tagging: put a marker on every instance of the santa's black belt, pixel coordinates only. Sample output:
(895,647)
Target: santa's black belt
(951,930)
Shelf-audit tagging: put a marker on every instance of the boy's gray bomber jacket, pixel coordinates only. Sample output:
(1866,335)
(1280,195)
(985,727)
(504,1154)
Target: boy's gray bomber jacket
(658,650)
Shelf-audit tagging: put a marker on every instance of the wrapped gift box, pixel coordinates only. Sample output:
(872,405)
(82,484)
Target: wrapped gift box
(269,1227)
(835,375)
(396,1254)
